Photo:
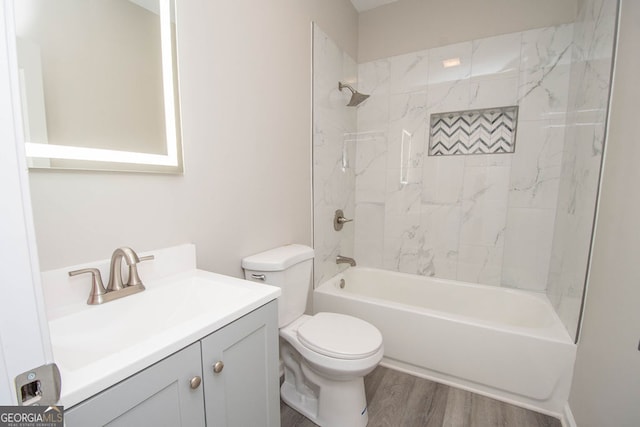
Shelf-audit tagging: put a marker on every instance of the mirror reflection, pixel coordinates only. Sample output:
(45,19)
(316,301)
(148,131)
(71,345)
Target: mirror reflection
(98,83)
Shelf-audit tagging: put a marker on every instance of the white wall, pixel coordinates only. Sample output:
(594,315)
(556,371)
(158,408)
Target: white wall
(606,381)
(411,25)
(246,94)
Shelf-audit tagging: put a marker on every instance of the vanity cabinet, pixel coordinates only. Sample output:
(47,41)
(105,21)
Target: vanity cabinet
(160,395)
(240,371)
(237,368)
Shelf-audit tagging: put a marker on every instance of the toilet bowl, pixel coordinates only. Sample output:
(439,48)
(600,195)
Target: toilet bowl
(325,356)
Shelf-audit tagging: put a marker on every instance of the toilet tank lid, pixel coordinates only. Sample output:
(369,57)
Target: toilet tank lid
(278,259)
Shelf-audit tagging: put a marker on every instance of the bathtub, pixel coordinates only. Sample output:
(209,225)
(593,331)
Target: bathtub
(503,343)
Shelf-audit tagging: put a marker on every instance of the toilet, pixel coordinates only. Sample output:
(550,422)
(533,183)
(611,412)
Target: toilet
(325,356)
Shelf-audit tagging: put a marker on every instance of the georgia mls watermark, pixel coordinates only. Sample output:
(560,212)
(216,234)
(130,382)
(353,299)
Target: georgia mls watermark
(31,416)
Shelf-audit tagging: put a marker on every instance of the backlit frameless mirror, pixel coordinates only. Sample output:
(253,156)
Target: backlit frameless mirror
(98,84)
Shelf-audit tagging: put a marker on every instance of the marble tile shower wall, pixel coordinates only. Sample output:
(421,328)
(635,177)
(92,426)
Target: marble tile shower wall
(479,218)
(594,33)
(333,154)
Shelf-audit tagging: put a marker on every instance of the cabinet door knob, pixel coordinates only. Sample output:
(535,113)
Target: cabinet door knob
(195,382)
(217,367)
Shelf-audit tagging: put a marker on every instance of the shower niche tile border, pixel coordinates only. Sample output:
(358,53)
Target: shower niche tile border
(485,131)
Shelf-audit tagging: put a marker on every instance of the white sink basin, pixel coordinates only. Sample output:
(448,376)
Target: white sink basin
(101,345)
(83,338)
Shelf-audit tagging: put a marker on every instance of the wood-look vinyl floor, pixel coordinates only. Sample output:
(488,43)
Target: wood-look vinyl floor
(396,399)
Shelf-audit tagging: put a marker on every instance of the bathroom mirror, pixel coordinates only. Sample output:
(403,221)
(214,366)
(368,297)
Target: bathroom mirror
(98,84)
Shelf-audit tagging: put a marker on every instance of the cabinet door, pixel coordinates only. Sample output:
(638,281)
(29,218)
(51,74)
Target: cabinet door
(161,395)
(245,392)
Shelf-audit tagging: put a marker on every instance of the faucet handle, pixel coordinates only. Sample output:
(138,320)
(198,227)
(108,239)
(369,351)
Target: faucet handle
(134,278)
(339,220)
(97,288)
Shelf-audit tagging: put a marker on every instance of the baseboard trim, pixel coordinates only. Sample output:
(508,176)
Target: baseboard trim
(567,417)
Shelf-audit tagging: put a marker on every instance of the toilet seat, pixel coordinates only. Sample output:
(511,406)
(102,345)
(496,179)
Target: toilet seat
(333,366)
(340,336)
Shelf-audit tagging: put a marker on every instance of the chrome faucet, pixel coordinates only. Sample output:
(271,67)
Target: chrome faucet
(116,288)
(345,260)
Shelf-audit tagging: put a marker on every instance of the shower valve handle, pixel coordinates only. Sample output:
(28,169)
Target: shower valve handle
(339,220)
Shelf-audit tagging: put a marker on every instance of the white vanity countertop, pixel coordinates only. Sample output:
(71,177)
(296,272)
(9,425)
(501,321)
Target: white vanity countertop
(97,346)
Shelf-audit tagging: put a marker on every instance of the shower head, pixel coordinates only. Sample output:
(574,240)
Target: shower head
(356,97)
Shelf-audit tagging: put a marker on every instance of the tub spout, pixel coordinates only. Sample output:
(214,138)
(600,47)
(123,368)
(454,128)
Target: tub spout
(345,260)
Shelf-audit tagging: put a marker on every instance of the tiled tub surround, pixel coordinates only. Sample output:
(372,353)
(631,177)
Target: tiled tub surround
(334,133)
(478,218)
(520,220)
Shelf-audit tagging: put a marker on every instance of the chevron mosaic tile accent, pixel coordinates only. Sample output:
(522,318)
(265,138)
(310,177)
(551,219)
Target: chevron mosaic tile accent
(488,131)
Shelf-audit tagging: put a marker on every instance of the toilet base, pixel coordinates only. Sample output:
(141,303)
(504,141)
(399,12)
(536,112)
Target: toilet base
(330,403)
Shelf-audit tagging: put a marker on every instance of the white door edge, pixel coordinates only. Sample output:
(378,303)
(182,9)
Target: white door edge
(24,333)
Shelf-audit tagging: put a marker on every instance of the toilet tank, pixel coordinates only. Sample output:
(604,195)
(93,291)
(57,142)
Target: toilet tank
(289,268)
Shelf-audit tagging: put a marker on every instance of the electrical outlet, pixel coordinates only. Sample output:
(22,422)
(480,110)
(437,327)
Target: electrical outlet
(39,386)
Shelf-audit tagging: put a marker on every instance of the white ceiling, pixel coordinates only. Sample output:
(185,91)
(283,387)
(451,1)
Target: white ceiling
(362,5)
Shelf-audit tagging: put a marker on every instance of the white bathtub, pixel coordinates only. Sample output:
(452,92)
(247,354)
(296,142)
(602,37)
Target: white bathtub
(504,343)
